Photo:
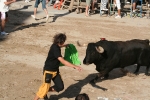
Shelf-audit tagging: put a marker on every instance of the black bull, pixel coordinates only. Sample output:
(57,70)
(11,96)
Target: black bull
(107,55)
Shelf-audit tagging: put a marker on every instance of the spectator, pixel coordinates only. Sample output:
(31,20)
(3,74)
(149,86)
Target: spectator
(148,4)
(51,68)
(134,5)
(4,8)
(37,2)
(88,3)
(83,96)
(27,1)
(103,5)
(117,3)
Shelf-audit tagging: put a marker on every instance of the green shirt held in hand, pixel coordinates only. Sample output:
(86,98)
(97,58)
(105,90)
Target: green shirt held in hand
(71,55)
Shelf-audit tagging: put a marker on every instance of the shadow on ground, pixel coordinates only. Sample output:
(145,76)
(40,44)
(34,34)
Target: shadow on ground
(73,90)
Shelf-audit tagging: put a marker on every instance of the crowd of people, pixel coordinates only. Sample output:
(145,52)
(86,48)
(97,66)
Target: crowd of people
(116,3)
(90,4)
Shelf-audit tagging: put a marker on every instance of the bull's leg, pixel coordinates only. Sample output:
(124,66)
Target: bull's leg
(147,71)
(124,71)
(137,69)
(99,75)
(106,76)
(93,81)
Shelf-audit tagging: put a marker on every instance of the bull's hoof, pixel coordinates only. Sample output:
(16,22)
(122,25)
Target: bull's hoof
(147,74)
(106,76)
(45,97)
(136,73)
(92,82)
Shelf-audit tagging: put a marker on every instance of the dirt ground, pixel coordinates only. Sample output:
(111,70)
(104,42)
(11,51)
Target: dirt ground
(23,53)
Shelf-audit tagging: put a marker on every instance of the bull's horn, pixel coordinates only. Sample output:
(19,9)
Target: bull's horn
(81,45)
(99,49)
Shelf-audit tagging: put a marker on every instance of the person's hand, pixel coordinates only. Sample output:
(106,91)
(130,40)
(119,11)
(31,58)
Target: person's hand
(78,68)
(95,1)
(14,0)
(67,45)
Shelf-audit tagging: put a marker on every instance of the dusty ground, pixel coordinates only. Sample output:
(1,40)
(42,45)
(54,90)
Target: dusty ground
(23,53)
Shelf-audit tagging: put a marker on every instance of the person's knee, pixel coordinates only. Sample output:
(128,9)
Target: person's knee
(60,88)
(57,88)
(118,6)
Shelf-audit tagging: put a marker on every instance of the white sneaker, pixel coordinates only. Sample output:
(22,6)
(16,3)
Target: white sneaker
(118,17)
(3,36)
(26,1)
(4,33)
(33,16)
(134,11)
(47,17)
(105,9)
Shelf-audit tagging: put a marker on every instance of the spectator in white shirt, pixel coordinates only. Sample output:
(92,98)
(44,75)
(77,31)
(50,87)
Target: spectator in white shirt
(4,8)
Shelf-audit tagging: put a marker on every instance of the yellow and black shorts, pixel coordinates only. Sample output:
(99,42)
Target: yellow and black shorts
(47,77)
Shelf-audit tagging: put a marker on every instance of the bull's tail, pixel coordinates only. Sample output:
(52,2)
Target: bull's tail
(81,45)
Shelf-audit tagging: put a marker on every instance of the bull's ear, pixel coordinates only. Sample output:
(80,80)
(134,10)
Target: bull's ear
(99,49)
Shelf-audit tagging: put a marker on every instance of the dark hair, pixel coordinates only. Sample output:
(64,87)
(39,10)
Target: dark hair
(59,38)
(82,96)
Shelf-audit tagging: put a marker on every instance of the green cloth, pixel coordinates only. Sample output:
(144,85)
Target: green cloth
(71,55)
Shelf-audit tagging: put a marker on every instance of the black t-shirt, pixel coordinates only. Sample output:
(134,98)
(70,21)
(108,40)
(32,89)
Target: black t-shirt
(52,63)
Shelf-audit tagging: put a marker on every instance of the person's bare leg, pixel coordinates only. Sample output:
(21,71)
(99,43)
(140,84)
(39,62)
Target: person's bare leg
(134,6)
(3,22)
(119,12)
(93,3)
(34,15)
(35,10)
(36,98)
(46,12)
(86,12)
(2,25)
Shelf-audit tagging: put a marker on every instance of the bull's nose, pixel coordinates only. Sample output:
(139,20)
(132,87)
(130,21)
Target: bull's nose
(85,63)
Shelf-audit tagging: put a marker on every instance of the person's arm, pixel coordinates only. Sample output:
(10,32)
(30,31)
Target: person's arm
(63,61)
(64,45)
(9,2)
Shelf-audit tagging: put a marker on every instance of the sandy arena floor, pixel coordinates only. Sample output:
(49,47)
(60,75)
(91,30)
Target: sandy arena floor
(23,53)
